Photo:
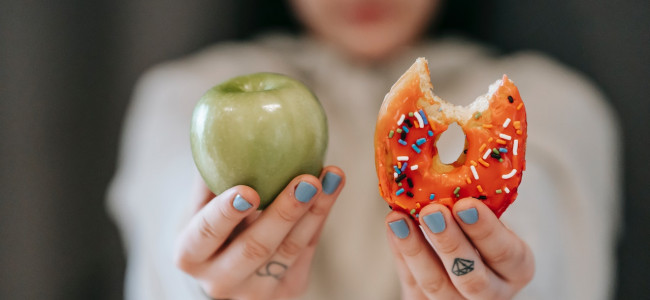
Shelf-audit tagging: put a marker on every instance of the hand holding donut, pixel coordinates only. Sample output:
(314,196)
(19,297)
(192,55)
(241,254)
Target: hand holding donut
(472,254)
(234,251)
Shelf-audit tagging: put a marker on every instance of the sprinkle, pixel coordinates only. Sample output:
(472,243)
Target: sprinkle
(432,196)
(484,163)
(430,133)
(399,184)
(507,190)
(399,165)
(400,177)
(520,105)
(395,175)
(419,118)
(424,117)
(496,156)
(456,190)
(482,147)
(519,132)
(509,175)
(401,120)
(390,134)
(417,216)
(469,181)
(503,150)
(415,148)
(401,141)
(487,153)
(403,158)
(405,129)
(408,122)
(495,150)
(412,211)
(416,125)
(409,194)
(510,99)
(399,130)
(400,204)
(487,125)
(404,166)
(397,170)
(477,115)
(482,197)
(421,141)
(457,196)
(410,114)
(479,188)
(505,124)
(498,191)
(403,135)
(490,140)
(500,141)
(514,147)
(399,192)
(473,163)
(505,136)
(500,159)
(473,168)
(414,167)
(409,182)
(516,124)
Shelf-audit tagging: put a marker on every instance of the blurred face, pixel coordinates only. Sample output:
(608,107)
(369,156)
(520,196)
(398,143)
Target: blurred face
(366,29)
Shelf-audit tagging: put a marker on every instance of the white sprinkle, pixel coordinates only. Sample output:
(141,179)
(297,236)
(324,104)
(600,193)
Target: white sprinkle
(505,136)
(487,153)
(401,120)
(417,116)
(514,148)
(414,167)
(394,174)
(402,158)
(505,124)
(474,172)
(509,175)
(507,190)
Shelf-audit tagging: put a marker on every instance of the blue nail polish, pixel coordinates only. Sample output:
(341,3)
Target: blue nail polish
(435,222)
(240,203)
(399,228)
(330,182)
(305,191)
(469,216)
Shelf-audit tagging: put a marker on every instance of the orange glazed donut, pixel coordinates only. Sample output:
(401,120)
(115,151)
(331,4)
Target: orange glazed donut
(411,120)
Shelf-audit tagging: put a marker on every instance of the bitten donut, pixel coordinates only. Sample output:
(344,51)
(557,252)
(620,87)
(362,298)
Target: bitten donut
(411,120)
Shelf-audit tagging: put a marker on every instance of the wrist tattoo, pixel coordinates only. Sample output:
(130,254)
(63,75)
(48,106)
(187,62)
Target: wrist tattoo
(273,268)
(462,266)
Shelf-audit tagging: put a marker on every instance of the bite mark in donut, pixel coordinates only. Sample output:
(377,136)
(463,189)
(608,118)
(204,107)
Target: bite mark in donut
(410,122)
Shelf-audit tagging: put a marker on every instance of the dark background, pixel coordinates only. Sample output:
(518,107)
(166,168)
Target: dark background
(67,68)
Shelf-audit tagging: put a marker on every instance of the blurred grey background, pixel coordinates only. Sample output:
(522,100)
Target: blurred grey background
(67,68)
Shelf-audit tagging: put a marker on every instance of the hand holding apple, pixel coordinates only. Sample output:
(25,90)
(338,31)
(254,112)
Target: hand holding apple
(259,130)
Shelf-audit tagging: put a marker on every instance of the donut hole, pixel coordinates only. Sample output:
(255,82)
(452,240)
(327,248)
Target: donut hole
(451,144)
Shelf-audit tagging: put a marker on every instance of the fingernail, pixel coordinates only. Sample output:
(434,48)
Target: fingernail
(331,182)
(435,222)
(469,216)
(240,203)
(305,191)
(399,228)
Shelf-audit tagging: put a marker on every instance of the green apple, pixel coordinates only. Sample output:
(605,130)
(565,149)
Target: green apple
(259,130)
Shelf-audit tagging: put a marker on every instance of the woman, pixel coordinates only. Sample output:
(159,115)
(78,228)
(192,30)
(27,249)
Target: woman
(183,244)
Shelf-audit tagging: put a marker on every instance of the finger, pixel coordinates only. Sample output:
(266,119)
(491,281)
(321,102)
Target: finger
(410,288)
(255,245)
(420,259)
(499,247)
(462,263)
(212,225)
(309,226)
(306,229)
